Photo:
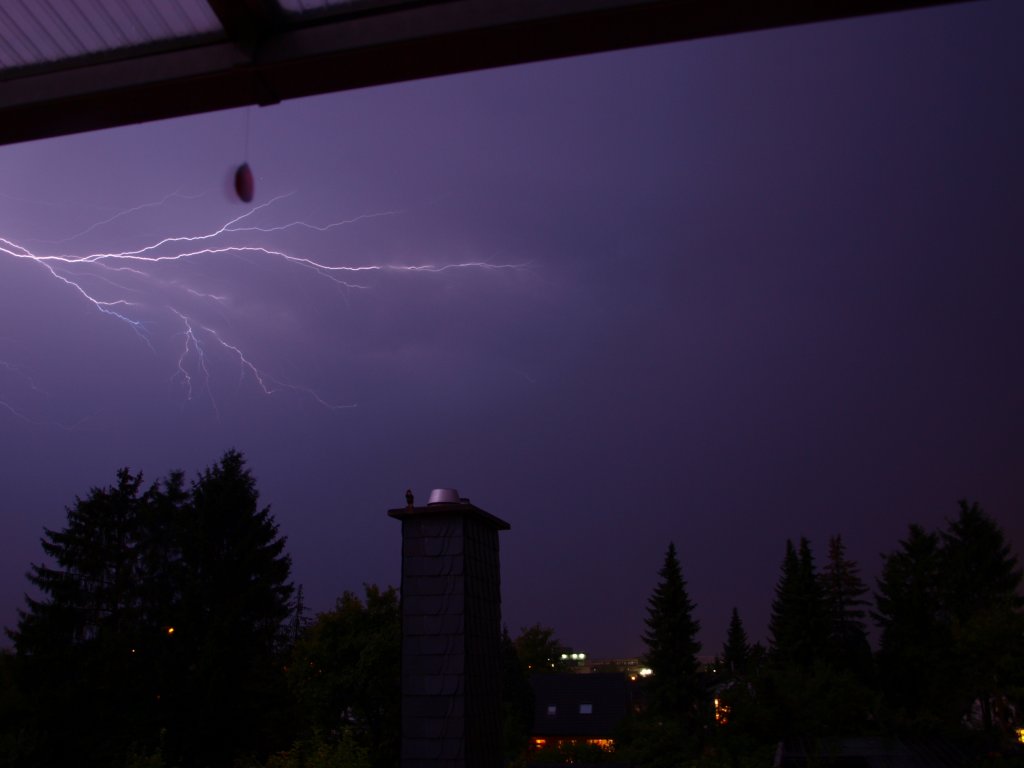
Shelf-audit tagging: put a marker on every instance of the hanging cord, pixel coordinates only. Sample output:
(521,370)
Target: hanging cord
(248,112)
(243,174)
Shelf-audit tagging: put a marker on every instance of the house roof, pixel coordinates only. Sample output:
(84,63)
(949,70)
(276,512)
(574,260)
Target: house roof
(579,705)
(89,64)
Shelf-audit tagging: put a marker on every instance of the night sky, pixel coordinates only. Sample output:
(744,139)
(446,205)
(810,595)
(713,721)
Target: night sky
(723,293)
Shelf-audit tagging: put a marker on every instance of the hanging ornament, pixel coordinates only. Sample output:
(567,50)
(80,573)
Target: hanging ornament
(244,185)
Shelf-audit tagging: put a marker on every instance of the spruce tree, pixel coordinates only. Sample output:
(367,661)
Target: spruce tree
(983,603)
(950,601)
(157,623)
(981,571)
(672,644)
(234,605)
(915,640)
(797,624)
(736,652)
(81,641)
(844,591)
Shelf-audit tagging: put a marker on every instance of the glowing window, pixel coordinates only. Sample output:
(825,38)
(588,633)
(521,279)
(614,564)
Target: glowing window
(586,709)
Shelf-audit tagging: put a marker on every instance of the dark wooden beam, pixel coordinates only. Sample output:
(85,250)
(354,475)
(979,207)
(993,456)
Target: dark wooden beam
(269,57)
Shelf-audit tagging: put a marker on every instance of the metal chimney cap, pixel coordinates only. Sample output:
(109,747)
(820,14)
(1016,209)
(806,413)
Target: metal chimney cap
(443,496)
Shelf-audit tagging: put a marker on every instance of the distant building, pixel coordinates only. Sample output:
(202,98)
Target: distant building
(633,667)
(571,708)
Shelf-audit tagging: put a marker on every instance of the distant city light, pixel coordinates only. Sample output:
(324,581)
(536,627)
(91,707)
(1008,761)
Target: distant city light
(170,630)
(646,672)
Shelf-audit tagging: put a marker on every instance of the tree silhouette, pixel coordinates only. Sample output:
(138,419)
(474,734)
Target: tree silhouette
(843,592)
(797,623)
(672,644)
(983,605)
(736,652)
(517,699)
(344,673)
(84,642)
(914,636)
(950,601)
(157,623)
(234,602)
(539,650)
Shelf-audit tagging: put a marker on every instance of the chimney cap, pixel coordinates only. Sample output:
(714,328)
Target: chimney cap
(444,496)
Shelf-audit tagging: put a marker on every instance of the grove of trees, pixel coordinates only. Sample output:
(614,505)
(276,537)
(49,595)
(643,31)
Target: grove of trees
(950,662)
(157,629)
(949,668)
(164,630)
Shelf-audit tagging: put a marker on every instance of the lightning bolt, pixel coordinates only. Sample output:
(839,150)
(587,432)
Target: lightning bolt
(145,287)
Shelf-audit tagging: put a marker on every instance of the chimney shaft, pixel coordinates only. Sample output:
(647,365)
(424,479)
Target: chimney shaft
(451,635)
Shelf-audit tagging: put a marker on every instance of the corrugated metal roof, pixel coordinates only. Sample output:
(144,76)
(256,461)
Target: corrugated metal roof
(36,32)
(76,65)
(311,6)
(318,7)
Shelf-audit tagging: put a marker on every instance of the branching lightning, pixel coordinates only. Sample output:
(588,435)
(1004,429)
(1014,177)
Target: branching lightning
(146,287)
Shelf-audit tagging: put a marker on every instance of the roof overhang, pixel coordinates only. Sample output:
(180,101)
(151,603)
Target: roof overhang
(266,55)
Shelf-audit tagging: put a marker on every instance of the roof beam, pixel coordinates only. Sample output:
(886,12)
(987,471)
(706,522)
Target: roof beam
(271,56)
(248,23)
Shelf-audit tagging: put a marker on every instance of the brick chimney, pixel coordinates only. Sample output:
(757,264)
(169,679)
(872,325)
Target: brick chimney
(451,634)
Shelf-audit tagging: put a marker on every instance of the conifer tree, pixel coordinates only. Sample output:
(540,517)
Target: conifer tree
(157,623)
(844,591)
(736,652)
(797,623)
(914,637)
(78,640)
(983,603)
(672,644)
(981,570)
(950,601)
(234,605)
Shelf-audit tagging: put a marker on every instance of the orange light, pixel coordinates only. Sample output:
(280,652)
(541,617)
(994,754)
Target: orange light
(170,630)
(721,712)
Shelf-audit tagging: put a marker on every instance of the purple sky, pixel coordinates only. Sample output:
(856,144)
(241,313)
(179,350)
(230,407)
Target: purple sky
(739,290)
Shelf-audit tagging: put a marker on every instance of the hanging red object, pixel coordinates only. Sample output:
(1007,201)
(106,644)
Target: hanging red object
(244,185)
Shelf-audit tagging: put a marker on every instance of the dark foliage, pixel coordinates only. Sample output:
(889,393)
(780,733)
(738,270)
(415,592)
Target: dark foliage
(951,602)
(540,651)
(517,698)
(672,644)
(846,640)
(671,729)
(344,674)
(736,652)
(798,625)
(915,639)
(156,628)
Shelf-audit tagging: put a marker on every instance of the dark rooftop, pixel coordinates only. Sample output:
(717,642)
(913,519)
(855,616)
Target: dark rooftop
(579,706)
